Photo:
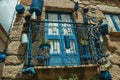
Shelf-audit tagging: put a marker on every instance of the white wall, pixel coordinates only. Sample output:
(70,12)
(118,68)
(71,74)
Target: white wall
(7,8)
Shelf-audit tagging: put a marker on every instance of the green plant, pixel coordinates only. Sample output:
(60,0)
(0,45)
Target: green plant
(44,41)
(74,77)
(96,77)
(91,78)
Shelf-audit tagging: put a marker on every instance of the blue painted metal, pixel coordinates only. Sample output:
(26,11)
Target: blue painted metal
(103,28)
(94,19)
(115,23)
(96,56)
(85,19)
(99,55)
(86,53)
(76,6)
(85,15)
(3,56)
(20,9)
(119,17)
(36,6)
(67,41)
(29,70)
(29,47)
(105,75)
(45,46)
(63,59)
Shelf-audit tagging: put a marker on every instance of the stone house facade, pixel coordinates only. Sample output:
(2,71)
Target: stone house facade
(16,51)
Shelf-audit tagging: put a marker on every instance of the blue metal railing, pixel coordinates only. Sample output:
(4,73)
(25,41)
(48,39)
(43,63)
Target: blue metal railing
(85,54)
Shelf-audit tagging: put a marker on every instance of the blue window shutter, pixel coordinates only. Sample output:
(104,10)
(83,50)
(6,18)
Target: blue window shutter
(115,23)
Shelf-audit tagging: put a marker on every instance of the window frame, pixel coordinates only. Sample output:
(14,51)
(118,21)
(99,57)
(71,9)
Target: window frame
(61,38)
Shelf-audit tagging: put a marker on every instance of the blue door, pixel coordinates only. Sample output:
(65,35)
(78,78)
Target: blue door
(62,52)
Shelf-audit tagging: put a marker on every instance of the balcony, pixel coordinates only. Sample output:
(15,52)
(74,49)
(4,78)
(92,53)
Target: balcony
(47,45)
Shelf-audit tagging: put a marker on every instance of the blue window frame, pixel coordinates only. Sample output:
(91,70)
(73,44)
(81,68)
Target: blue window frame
(113,22)
(56,32)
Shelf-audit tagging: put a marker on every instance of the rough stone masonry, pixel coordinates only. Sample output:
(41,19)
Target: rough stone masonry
(16,52)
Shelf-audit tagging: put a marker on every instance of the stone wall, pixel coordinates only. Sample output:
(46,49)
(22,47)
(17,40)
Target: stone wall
(16,52)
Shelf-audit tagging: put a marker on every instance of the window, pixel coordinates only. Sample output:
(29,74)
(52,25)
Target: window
(56,28)
(113,22)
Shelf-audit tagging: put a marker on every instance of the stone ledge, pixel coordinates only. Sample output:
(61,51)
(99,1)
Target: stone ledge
(62,9)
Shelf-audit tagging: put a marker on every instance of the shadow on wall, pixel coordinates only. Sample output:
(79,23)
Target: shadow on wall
(20,76)
(112,43)
(115,38)
(1,69)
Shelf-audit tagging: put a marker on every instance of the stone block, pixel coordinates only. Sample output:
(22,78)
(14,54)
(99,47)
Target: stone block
(115,72)
(109,9)
(81,5)
(78,17)
(19,21)
(26,2)
(115,59)
(19,28)
(15,34)
(95,2)
(15,48)
(12,72)
(97,14)
(14,60)
(85,2)
(59,4)
(15,73)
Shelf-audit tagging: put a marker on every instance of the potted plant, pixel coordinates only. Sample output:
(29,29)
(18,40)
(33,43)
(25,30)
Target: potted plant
(44,46)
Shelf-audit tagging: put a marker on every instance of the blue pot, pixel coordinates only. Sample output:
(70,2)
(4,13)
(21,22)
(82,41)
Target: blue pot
(29,70)
(105,75)
(3,56)
(36,7)
(20,9)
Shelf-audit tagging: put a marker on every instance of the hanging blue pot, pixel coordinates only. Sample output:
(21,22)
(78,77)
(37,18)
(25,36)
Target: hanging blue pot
(36,7)
(67,41)
(20,9)
(103,28)
(3,56)
(29,70)
(105,75)
(85,10)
